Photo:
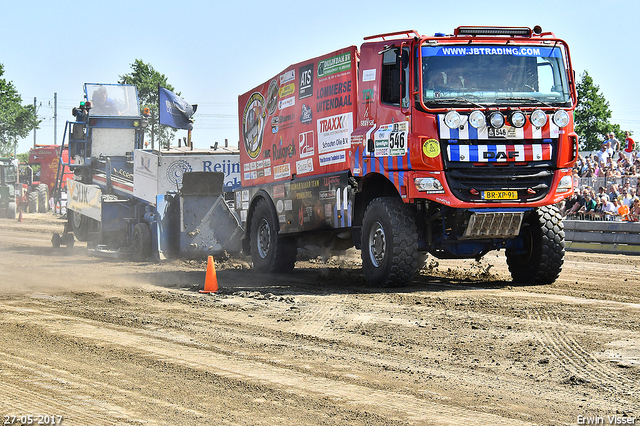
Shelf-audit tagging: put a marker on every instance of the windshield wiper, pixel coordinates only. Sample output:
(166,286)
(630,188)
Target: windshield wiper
(536,100)
(455,101)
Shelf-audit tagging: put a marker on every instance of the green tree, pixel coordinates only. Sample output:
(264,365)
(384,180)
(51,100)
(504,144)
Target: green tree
(147,79)
(16,120)
(592,115)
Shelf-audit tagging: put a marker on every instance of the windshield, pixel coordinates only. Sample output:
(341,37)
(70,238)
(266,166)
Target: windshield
(493,75)
(112,100)
(9,172)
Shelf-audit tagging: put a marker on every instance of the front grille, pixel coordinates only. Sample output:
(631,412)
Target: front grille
(531,183)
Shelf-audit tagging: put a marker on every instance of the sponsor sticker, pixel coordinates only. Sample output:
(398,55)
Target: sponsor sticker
(369,75)
(431,148)
(281,171)
(304,166)
(334,133)
(253,122)
(305,89)
(332,158)
(334,65)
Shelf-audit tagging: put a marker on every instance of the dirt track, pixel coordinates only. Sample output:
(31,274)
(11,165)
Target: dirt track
(109,342)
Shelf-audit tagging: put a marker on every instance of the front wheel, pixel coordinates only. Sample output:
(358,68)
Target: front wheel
(540,261)
(270,252)
(389,243)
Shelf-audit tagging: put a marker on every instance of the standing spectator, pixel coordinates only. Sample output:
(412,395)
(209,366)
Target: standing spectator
(628,150)
(609,210)
(589,206)
(603,154)
(625,198)
(572,205)
(613,192)
(614,144)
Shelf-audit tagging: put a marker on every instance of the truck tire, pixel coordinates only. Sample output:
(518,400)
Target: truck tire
(543,237)
(43,198)
(141,242)
(79,224)
(270,252)
(33,201)
(389,244)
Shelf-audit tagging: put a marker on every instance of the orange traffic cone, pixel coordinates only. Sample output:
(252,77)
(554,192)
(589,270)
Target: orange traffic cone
(211,280)
(20,217)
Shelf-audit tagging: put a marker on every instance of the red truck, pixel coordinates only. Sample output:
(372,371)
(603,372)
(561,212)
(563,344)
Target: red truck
(37,178)
(453,145)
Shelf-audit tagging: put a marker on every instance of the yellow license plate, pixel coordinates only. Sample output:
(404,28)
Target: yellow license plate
(500,195)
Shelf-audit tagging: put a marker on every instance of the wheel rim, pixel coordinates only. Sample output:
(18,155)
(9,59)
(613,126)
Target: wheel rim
(264,238)
(377,244)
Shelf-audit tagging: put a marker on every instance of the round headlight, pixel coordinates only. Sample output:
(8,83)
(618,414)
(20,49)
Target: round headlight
(496,119)
(452,119)
(561,118)
(477,119)
(517,119)
(538,118)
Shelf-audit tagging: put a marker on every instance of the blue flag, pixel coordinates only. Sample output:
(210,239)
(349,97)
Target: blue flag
(174,111)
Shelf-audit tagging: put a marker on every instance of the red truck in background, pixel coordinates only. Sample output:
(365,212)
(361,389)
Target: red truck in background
(37,178)
(453,145)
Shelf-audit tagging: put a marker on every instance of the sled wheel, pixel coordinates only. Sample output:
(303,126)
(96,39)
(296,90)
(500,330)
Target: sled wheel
(79,224)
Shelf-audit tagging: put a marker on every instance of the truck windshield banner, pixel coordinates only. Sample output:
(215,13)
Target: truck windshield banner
(525,51)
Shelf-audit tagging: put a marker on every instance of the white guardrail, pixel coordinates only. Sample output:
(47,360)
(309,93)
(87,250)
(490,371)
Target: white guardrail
(602,236)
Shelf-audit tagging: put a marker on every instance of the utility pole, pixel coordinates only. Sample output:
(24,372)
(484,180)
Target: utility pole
(34,129)
(55,118)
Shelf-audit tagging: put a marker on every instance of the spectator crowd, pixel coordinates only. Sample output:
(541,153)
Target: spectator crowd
(606,184)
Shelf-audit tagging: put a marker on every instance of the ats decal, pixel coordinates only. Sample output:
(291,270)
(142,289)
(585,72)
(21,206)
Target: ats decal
(305,89)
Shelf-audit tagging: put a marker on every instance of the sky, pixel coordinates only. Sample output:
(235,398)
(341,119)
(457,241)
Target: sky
(212,51)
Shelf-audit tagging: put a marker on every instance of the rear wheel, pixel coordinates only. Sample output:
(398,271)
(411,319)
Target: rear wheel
(270,252)
(141,242)
(33,201)
(43,198)
(389,244)
(542,257)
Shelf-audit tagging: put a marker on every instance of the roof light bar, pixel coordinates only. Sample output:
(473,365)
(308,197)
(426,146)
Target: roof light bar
(498,31)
